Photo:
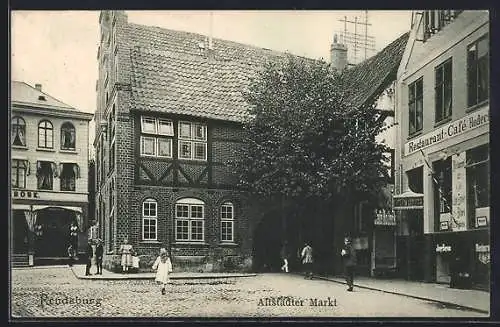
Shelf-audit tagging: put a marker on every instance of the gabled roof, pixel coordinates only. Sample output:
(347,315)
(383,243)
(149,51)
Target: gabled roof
(24,93)
(170,73)
(372,76)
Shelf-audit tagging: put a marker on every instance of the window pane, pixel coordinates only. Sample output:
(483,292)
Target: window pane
(148,145)
(185,130)
(419,89)
(165,127)
(164,147)
(226,231)
(196,211)
(419,115)
(482,48)
(200,151)
(411,117)
(185,150)
(182,230)
(182,211)
(199,132)
(439,103)
(197,230)
(148,125)
(483,79)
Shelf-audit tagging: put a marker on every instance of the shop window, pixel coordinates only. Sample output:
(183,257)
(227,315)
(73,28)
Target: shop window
(68,136)
(45,172)
(478,69)
(442,181)
(478,185)
(69,174)
(227,222)
(45,135)
(443,91)
(415,179)
(18,173)
(149,220)
(18,132)
(190,220)
(415,106)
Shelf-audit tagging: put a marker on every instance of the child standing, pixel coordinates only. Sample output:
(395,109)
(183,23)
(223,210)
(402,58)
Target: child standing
(163,267)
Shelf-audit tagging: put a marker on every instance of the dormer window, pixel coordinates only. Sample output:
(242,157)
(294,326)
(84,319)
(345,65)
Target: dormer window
(42,98)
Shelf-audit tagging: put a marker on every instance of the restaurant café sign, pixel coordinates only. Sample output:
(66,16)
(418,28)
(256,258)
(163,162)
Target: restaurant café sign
(448,131)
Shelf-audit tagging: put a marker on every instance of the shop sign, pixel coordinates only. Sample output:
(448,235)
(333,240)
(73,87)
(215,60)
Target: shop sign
(443,225)
(24,194)
(448,131)
(481,221)
(386,218)
(483,253)
(409,202)
(443,248)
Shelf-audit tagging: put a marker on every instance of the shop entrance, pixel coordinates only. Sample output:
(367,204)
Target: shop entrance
(53,239)
(20,232)
(410,253)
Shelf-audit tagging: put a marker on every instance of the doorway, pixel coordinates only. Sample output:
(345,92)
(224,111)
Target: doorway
(54,239)
(20,232)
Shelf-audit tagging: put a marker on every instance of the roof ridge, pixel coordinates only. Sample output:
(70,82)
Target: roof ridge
(266,51)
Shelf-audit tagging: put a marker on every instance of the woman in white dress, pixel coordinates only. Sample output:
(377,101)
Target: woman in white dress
(126,252)
(163,267)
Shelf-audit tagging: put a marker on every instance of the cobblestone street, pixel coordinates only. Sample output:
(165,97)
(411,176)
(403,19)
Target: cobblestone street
(35,292)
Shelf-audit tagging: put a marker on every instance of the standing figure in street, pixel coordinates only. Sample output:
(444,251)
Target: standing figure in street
(126,251)
(90,253)
(285,256)
(99,250)
(307,260)
(73,234)
(349,259)
(163,267)
(71,255)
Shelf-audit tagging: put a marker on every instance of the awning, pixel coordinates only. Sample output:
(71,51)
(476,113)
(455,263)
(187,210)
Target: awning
(41,207)
(16,206)
(408,200)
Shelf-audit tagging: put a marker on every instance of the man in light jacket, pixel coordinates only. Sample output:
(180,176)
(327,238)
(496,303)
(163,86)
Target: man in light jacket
(349,259)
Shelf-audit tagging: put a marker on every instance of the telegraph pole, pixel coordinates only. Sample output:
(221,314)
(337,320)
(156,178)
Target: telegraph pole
(358,42)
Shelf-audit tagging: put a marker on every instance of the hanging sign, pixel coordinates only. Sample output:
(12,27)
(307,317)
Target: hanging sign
(443,248)
(408,200)
(483,253)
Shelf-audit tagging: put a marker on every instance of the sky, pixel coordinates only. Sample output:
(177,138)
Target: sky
(58,49)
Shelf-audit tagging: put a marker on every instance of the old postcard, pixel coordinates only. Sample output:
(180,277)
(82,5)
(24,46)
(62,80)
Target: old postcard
(250,164)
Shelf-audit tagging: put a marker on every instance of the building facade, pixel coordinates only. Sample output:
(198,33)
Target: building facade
(442,159)
(49,185)
(169,118)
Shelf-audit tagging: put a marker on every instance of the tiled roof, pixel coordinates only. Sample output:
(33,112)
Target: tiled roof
(374,74)
(26,94)
(171,74)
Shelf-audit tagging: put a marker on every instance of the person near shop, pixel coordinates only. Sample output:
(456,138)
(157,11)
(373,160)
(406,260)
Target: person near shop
(126,251)
(285,256)
(349,260)
(71,255)
(163,267)
(307,260)
(73,233)
(89,253)
(99,251)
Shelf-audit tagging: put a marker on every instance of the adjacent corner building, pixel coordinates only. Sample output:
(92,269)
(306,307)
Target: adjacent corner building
(442,198)
(49,185)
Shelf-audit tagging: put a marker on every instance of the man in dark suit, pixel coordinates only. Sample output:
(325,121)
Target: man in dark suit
(90,253)
(99,250)
(349,259)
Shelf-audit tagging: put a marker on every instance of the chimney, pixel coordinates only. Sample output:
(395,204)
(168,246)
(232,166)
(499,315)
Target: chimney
(38,87)
(338,54)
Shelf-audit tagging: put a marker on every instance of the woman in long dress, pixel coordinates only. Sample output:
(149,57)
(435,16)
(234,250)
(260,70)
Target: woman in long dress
(126,251)
(163,267)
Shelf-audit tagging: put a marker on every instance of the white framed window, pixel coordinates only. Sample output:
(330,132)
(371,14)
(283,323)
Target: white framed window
(156,146)
(148,125)
(192,141)
(164,147)
(149,220)
(148,146)
(227,222)
(165,127)
(190,220)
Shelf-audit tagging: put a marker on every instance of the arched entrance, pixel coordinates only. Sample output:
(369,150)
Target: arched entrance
(52,232)
(267,243)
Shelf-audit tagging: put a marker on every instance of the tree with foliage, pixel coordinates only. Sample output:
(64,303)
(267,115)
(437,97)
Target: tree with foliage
(304,140)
